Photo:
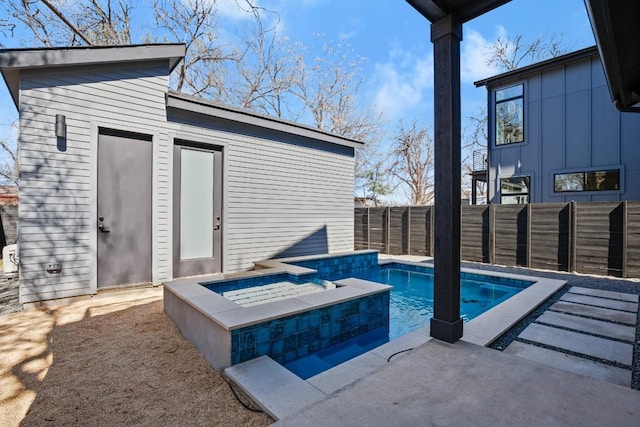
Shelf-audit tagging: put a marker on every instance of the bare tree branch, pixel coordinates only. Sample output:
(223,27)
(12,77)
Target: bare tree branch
(412,153)
(65,20)
(511,53)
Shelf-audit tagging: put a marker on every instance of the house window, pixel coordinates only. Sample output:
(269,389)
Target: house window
(510,115)
(587,181)
(514,191)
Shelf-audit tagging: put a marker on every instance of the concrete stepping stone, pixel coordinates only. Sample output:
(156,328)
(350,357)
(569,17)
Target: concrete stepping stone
(576,342)
(592,326)
(601,302)
(596,312)
(604,294)
(571,363)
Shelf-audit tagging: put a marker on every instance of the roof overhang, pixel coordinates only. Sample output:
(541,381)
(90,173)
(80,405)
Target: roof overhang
(617,33)
(499,79)
(194,104)
(14,61)
(464,10)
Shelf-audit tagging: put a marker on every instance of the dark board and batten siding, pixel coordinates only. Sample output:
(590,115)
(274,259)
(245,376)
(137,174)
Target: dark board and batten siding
(601,238)
(570,125)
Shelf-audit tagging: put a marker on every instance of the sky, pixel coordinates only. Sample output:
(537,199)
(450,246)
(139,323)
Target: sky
(395,39)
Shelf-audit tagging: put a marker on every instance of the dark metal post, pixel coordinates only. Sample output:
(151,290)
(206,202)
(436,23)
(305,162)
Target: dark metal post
(529,246)
(625,238)
(431,230)
(492,234)
(474,191)
(387,245)
(573,236)
(446,34)
(409,230)
(368,228)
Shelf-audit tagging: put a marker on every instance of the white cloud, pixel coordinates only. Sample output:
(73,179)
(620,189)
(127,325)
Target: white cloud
(234,9)
(473,57)
(402,82)
(347,35)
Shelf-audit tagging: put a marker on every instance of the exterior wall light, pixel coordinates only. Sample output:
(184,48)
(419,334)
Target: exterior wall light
(61,126)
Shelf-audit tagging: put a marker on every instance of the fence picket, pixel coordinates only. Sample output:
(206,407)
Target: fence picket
(598,238)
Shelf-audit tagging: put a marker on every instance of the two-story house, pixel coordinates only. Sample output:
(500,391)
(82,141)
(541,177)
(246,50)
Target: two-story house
(556,136)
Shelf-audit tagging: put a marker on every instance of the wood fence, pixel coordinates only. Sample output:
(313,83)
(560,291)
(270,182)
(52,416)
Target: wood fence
(601,238)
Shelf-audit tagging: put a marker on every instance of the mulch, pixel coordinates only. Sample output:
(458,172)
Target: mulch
(110,360)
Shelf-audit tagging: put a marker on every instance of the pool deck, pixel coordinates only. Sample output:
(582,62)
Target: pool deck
(271,385)
(466,384)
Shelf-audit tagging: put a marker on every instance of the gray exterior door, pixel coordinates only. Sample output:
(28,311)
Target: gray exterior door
(197,210)
(124,208)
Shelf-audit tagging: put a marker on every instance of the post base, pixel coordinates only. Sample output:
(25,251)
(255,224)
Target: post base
(446,331)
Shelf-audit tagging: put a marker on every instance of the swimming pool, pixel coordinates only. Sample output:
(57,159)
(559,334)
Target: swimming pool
(411,301)
(328,322)
(410,308)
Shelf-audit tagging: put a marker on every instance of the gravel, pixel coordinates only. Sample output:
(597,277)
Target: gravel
(630,286)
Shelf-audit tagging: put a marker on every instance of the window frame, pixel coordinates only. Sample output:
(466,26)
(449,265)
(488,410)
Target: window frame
(517,194)
(584,172)
(497,103)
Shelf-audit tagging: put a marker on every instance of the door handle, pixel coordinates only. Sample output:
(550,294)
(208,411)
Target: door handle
(216,227)
(103,229)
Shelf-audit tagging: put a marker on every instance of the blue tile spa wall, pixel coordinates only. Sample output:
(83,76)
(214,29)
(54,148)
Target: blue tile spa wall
(340,267)
(291,337)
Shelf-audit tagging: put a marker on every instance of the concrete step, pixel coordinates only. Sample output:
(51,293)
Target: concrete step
(592,326)
(571,363)
(601,302)
(576,342)
(596,312)
(604,294)
(279,392)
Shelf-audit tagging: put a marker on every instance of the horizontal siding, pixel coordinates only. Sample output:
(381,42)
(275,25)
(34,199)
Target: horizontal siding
(286,200)
(282,198)
(55,197)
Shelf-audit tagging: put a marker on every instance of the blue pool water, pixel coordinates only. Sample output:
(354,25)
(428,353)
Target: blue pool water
(411,307)
(312,341)
(411,302)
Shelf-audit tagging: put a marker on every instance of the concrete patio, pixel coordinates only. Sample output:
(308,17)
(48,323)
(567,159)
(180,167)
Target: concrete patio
(576,372)
(465,384)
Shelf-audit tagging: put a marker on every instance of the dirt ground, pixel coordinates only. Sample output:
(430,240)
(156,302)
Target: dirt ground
(115,359)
